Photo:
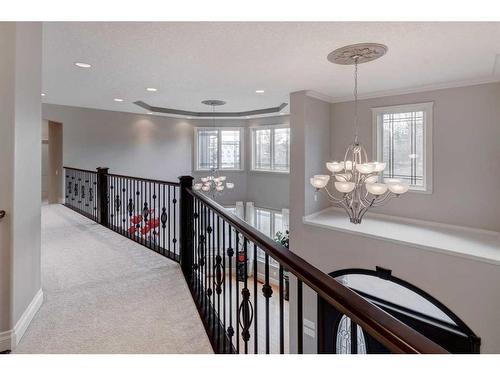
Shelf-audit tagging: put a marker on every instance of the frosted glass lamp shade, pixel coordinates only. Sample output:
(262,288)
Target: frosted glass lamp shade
(230,185)
(376,188)
(379,167)
(398,187)
(222,178)
(219,187)
(319,181)
(371,179)
(334,166)
(197,186)
(365,168)
(343,176)
(205,188)
(347,165)
(204,179)
(344,186)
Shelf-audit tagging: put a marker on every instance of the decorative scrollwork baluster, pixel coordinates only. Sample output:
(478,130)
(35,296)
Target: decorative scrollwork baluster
(118,203)
(245,314)
(130,207)
(219,274)
(163,217)
(145,212)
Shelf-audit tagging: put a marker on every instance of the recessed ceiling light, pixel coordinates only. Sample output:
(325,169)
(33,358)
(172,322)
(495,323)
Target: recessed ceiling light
(118,100)
(43,94)
(189,117)
(83,65)
(150,113)
(152,89)
(259,91)
(282,113)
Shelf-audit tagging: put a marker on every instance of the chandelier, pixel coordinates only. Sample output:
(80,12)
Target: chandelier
(214,183)
(358,182)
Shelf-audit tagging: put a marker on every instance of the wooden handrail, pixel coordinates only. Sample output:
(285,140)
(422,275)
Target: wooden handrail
(145,179)
(392,333)
(78,169)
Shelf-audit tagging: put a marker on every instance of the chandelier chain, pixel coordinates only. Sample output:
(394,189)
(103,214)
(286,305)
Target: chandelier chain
(356,58)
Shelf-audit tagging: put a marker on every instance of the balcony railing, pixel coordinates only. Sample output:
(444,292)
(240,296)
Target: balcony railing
(241,301)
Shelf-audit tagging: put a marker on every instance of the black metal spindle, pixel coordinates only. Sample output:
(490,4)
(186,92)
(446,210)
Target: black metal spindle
(267,291)
(230,253)
(300,338)
(224,280)
(354,338)
(255,298)
(237,286)
(281,313)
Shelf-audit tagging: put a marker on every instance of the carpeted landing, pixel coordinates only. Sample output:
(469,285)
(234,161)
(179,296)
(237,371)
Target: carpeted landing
(104,293)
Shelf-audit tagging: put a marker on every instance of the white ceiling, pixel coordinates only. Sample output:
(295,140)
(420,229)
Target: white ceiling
(190,62)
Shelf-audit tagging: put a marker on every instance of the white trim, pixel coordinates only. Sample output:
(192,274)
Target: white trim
(10,339)
(414,90)
(428,109)
(320,96)
(241,129)
(357,229)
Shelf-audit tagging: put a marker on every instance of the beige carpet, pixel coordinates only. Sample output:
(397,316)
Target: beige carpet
(107,294)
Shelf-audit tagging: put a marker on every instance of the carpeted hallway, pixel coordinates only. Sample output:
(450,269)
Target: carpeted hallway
(107,294)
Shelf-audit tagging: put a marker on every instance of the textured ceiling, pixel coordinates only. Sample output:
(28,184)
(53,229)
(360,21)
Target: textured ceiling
(190,62)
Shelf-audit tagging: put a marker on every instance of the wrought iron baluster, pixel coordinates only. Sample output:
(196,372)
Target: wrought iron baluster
(255,325)
(169,224)
(267,291)
(245,310)
(237,285)
(230,253)
(354,337)
(219,275)
(174,240)
(282,313)
(300,335)
(224,280)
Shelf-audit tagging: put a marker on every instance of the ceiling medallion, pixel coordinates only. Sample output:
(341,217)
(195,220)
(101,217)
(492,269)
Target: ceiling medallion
(213,184)
(358,179)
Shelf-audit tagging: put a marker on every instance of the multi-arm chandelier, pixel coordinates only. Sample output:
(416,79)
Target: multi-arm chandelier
(359,181)
(213,184)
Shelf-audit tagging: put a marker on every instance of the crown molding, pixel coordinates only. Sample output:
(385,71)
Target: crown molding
(414,90)
(320,96)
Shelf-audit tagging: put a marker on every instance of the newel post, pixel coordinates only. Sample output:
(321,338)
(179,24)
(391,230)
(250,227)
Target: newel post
(186,230)
(102,195)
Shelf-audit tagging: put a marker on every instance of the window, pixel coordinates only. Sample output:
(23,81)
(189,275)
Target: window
(271,149)
(403,140)
(219,148)
(268,222)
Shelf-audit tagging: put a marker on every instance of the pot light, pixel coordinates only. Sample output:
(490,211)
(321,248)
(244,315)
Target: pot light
(83,65)
(259,91)
(43,94)
(118,100)
(152,89)
(150,113)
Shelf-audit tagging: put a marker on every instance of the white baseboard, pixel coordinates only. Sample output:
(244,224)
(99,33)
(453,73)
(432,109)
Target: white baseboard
(10,339)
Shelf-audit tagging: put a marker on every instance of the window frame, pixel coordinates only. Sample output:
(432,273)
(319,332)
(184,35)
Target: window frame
(427,109)
(272,228)
(196,162)
(272,128)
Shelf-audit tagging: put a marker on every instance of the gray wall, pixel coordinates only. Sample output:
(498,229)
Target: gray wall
(158,147)
(138,145)
(466,136)
(20,171)
(466,154)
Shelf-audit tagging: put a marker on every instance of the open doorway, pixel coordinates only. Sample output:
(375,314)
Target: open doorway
(52,162)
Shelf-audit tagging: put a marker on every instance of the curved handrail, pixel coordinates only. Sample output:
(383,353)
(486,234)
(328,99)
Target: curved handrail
(393,334)
(80,170)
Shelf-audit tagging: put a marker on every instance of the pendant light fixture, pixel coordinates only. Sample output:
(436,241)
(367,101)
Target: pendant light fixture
(358,181)
(213,184)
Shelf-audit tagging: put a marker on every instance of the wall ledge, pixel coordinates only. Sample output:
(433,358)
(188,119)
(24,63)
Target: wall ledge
(472,243)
